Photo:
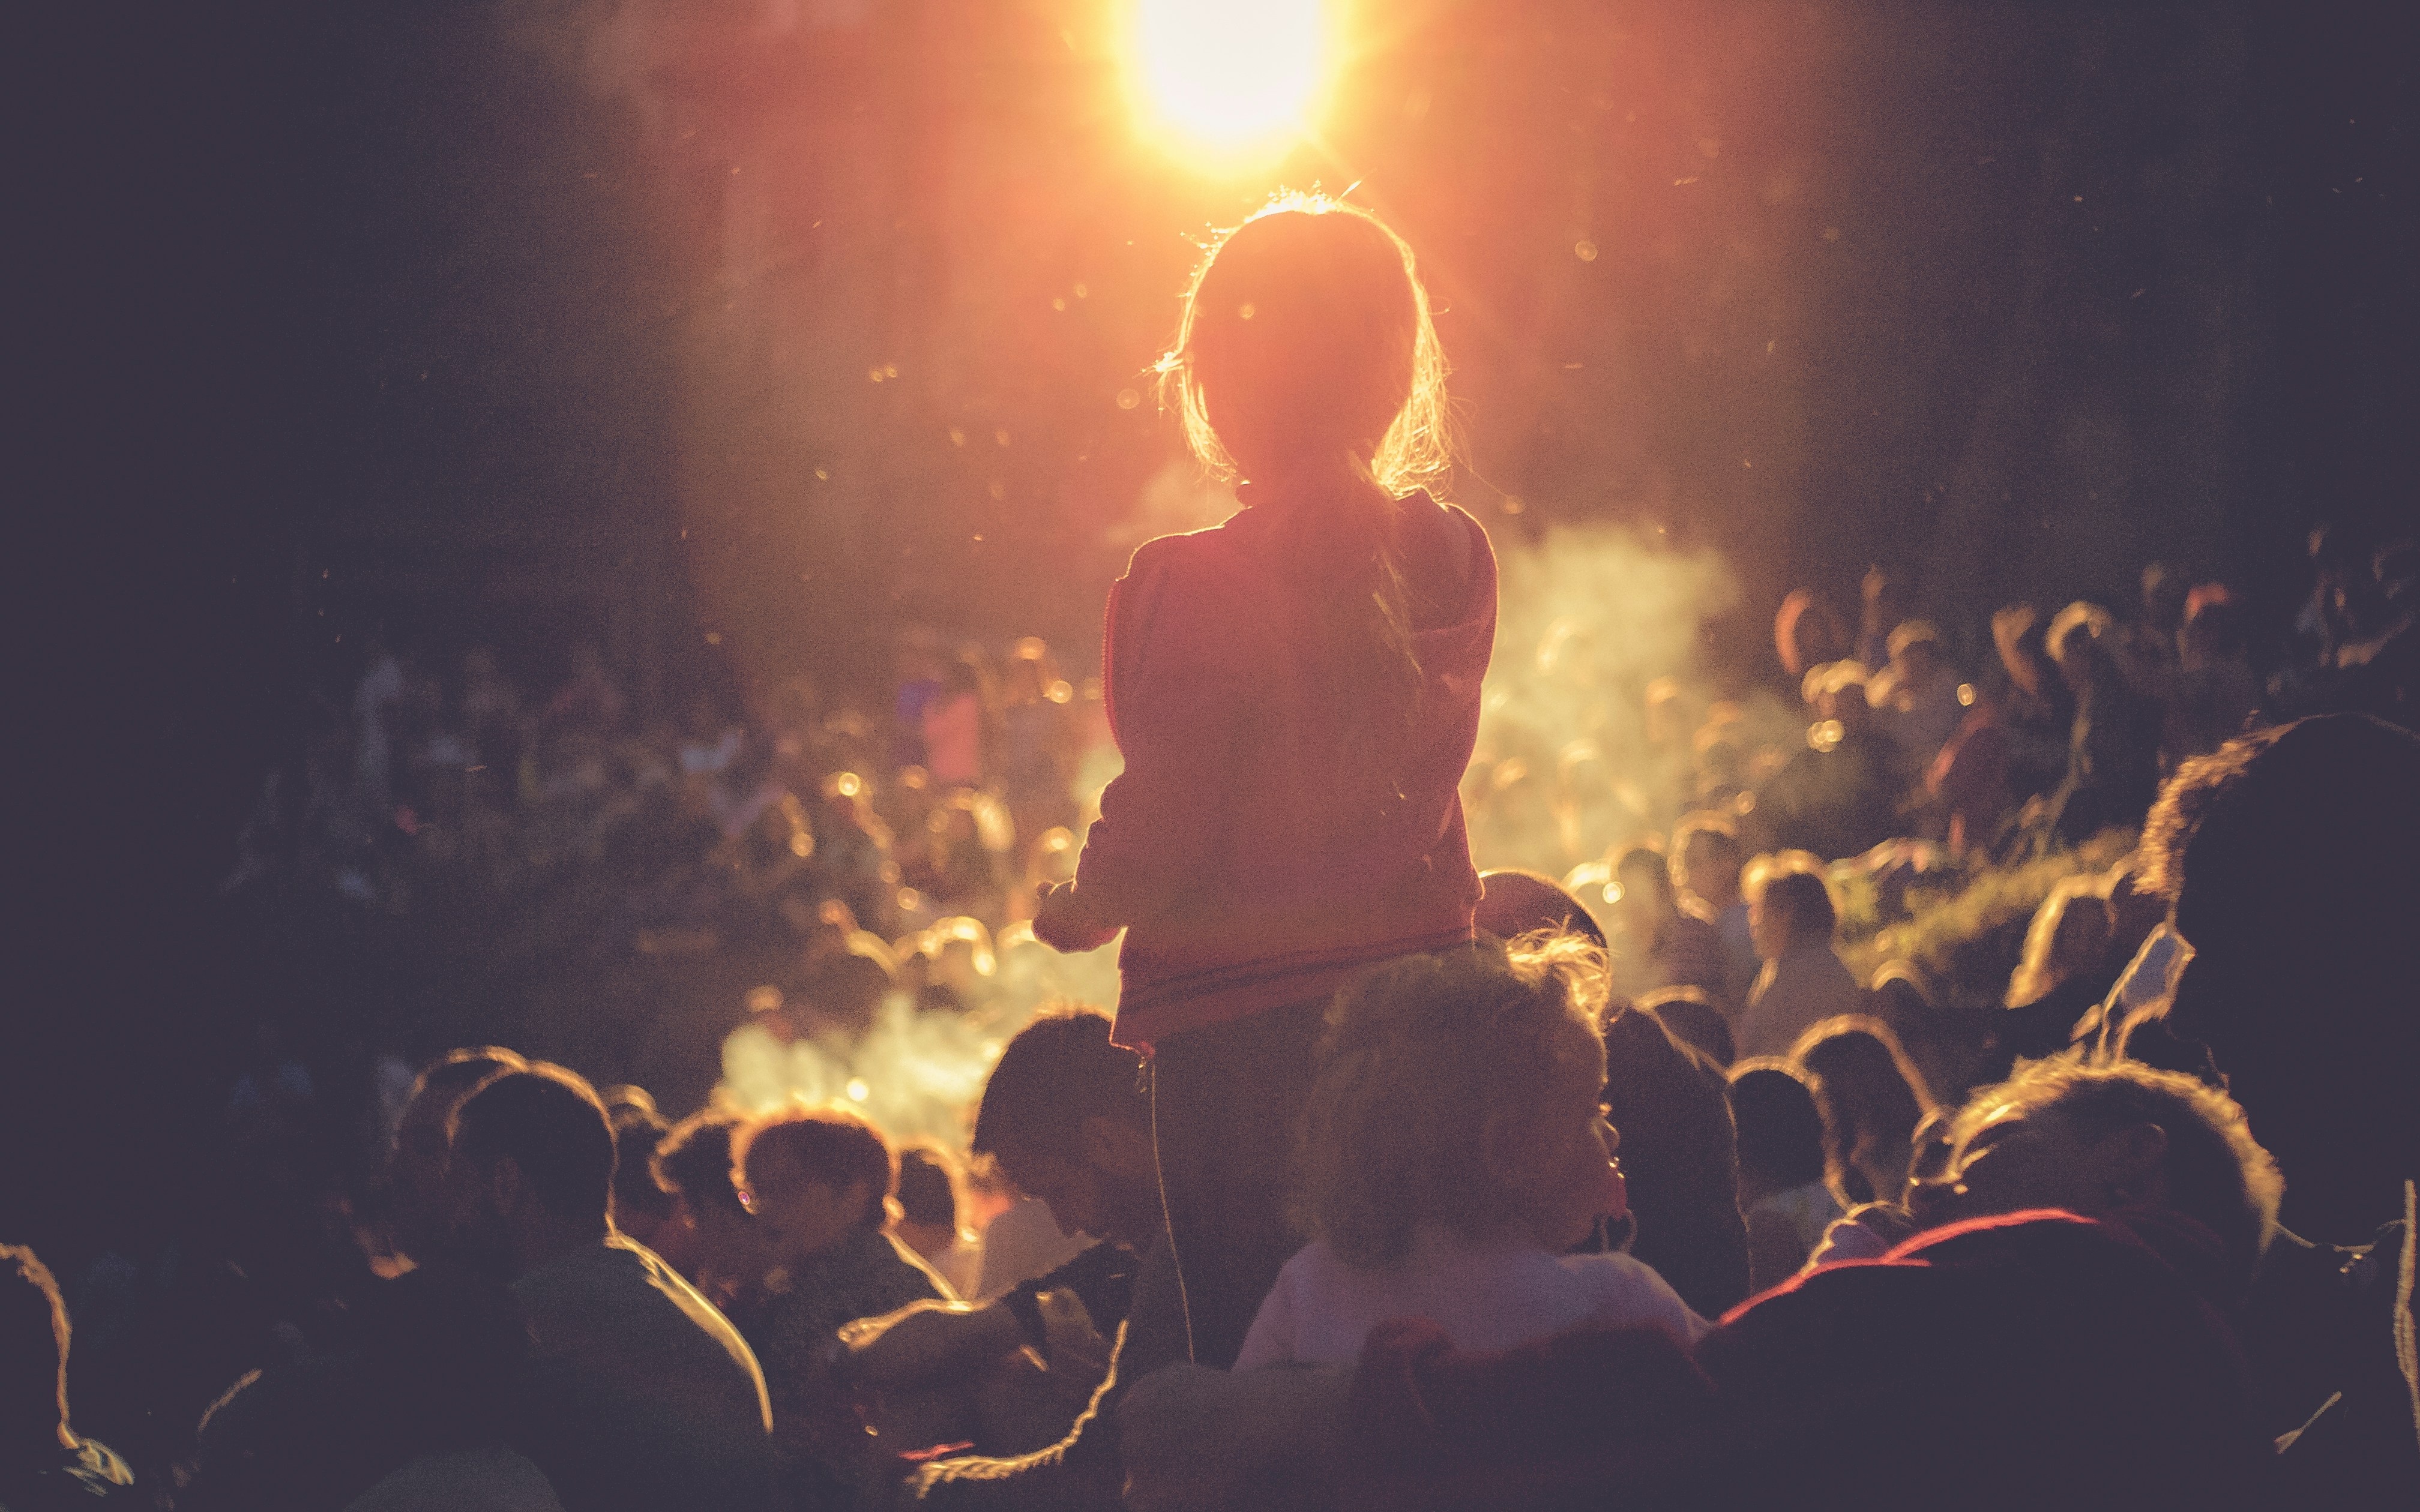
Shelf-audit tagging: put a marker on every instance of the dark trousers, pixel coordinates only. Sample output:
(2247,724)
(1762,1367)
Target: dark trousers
(1224,1101)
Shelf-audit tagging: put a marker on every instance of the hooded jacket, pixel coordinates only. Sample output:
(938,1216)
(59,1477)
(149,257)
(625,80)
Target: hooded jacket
(1248,869)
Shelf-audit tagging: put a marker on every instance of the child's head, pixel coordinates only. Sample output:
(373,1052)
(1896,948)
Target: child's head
(1306,344)
(1463,1090)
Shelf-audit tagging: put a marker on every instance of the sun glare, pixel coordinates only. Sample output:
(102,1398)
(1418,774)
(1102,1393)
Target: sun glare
(1227,79)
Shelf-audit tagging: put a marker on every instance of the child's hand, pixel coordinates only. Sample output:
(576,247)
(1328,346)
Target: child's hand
(1063,923)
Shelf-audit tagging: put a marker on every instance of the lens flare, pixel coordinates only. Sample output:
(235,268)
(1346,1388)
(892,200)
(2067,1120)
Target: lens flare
(1228,80)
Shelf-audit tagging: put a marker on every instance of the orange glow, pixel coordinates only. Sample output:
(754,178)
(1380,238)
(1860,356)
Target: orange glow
(1228,81)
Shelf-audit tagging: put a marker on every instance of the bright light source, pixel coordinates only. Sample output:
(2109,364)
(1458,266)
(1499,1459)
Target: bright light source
(1230,78)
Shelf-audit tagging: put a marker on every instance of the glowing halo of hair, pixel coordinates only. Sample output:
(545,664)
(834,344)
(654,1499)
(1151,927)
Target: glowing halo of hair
(1241,328)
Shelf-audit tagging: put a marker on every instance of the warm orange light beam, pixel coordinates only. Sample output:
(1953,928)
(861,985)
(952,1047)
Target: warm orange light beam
(1228,80)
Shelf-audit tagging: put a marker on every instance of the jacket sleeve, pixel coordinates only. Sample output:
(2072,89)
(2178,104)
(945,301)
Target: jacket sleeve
(1173,670)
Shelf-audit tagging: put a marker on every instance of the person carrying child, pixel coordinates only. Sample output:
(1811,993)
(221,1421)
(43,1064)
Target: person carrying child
(1296,693)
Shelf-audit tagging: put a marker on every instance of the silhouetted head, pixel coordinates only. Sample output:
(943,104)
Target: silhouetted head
(2098,1140)
(1306,348)
(1709,855)
(641,1208)
(531,1164)
(1515,903)
(1690,1018)
(1871,1098)
(1065,1117)
(692,1164)
(2293,857)
(2017,635)
(1789,908)
(815,1178)
(2163,596)
(1677,1152)
(1780,1132)
(415,1174)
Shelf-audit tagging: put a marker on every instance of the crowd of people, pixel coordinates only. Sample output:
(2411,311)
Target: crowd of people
(1387,1181)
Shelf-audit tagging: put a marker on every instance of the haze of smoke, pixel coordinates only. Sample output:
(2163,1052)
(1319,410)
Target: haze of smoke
(1595,624)
(918,1075)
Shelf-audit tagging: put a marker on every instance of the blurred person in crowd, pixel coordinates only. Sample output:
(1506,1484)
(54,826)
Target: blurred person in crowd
(930,1207)
(1515,903)
(1968,781)
(1803,981)
(919,664)
(45,1464)
(712,1239)
(1782,1195)
(2113,747)
(958,722)
(2068,965)
(2144,649)
(1690,1016)
(853,853)
(1839,794)
(642,1394)
(963,865)
(1064,1117)
(1872,1099)
(417,1200)
(1679,1160)
(822,1183)
(1711,863)
(843,993)
(2381,671)
(377,699)
(1915,697)
(1808,632)
(2215,693)
(589,697)
(641,1210)
(2037,710)
(1663,945)
(1040,742)
(1882,607)
(1295,694)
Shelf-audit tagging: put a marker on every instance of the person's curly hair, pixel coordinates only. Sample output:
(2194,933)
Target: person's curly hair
(1419,1056)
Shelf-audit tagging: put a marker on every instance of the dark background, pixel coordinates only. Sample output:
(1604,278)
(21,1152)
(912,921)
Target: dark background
(530,323)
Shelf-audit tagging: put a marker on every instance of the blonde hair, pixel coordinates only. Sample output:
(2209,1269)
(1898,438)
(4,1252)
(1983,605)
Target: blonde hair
(1421,1055)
